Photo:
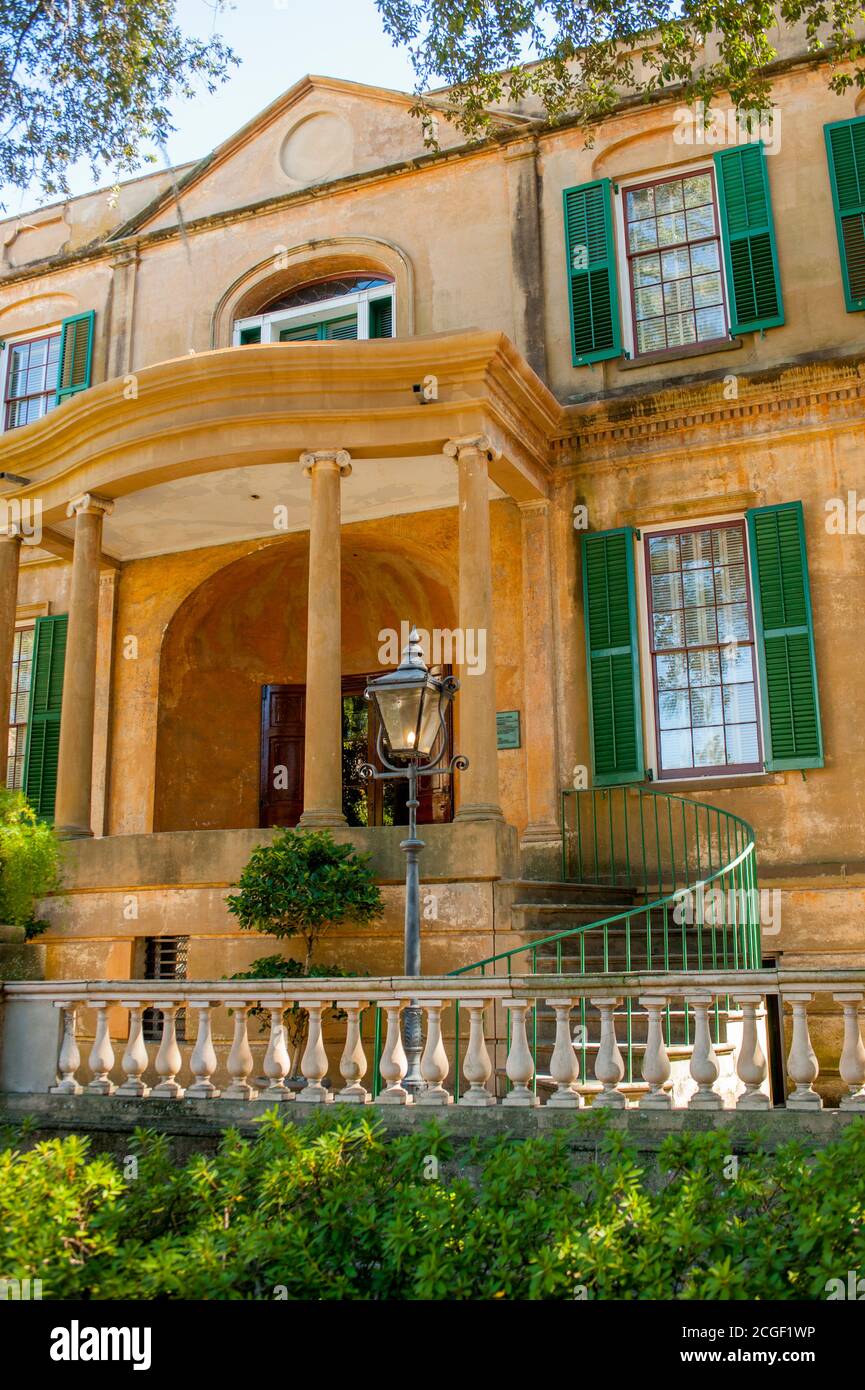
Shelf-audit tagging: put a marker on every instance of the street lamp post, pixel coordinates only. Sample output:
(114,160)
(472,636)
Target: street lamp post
(411,742)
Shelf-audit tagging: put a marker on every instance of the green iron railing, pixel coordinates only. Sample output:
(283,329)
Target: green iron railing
(691,872)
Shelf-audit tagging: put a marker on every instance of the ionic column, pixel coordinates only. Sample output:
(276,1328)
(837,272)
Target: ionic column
(539,695)
(75,769)
(322,765)
(479,784)
(10,549)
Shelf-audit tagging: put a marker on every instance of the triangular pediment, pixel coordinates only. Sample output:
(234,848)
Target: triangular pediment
(319,131)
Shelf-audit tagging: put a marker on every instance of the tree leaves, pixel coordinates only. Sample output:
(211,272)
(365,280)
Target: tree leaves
(585,57)
(94,80)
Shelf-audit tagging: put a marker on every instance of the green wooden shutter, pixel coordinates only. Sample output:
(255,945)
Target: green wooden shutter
(43,727)
(748,232)
(785,637)
(337,330)
(845,147)
(612,656)
(381,318)
(308,334)
(76,355)
(250,335)
(592,284)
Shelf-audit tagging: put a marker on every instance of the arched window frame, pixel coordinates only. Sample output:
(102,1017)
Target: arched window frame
(307,315)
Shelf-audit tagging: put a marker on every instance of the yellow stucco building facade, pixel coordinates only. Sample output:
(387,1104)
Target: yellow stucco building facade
(262,410)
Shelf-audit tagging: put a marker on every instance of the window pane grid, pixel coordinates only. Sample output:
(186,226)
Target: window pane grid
(19,705)
(31,380)
(702,645)
(673,248)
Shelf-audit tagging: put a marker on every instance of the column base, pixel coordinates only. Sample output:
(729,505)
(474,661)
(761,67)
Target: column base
(322,820)
(706,1100)
(480,811)
(73,832)
(542,833)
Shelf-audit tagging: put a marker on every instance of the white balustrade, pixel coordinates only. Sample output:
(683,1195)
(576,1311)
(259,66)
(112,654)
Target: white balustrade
(394,1063)
(484,1002)
(704,1066)
(203,1063)
(276,1058)
(70,1058)
(168,1059)
(313,1064)
(520,1066)
(352,1063)
(609,1066)
(564,1066)
(101,1054)
(802,1066)
(751,1066)
(134,1061)
(240,1057)
(477,1066)
(852,1064)
(656,1063)
(434,1064)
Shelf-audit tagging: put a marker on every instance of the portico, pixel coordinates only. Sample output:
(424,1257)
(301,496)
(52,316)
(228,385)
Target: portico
(253,413)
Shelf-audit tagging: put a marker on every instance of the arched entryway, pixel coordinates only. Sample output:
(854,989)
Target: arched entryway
(232,680)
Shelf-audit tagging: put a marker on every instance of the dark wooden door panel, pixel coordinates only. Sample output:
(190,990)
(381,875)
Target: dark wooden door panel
(282,736)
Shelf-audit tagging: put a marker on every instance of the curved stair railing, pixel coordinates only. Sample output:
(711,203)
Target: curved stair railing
(685,876)
(692,868)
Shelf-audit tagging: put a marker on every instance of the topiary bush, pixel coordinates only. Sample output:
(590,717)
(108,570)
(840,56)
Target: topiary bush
(301,884)
(335,1210)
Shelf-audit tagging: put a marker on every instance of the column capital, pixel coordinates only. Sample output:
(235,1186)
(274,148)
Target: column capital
(89,503)
(472,444)
(535,505)
(337,458)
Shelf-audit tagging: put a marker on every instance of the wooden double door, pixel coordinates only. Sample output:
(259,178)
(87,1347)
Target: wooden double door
(283,719)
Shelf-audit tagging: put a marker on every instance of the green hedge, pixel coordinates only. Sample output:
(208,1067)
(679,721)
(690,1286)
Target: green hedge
(335,1210)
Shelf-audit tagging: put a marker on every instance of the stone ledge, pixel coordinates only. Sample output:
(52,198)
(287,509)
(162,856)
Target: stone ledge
(193,1124)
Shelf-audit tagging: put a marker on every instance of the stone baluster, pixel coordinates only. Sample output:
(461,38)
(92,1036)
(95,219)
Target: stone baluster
(656,1063)
(352,1063)
(135,1057)
(240,1060)
(276,1058)
(101,1054)
(393,1064)
(434,1065)
(168,1059)
(564,1065)
(705,1068)
(313,1064)
(70,1058)
(477,1067)
(202,1063)
(751,1063)
(852,1065)
(520,1066)
(802,1066)
(609,1067)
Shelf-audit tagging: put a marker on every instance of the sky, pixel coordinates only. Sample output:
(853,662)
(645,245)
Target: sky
(278,41)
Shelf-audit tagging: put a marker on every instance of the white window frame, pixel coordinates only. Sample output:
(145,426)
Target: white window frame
(339,306)
(647,673)
(629,336)
(50,330)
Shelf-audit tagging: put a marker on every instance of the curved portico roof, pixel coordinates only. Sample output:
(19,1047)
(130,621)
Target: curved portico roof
(236,407)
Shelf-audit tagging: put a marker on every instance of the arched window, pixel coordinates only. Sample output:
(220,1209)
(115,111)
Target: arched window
(349,306)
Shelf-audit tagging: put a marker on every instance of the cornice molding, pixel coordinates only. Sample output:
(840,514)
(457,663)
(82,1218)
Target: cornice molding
(770,399)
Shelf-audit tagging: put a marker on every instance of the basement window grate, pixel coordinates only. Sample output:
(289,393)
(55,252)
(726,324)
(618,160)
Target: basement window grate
(165,958)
